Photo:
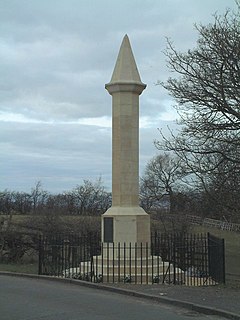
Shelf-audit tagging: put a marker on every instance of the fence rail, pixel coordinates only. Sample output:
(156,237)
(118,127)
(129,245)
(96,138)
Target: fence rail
(207,222)
(186,259)
(213,223)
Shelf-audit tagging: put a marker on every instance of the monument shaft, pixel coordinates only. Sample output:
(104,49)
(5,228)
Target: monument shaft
(125,149)
(125,221)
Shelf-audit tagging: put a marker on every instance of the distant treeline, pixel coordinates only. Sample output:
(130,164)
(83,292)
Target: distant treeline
(90,198)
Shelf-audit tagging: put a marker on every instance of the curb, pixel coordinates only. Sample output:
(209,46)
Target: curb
(178,303)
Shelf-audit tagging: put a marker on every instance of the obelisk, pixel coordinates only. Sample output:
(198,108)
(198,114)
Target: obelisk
(125,222)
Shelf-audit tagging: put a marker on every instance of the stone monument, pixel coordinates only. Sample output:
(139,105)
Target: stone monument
(126,243)
(125,221)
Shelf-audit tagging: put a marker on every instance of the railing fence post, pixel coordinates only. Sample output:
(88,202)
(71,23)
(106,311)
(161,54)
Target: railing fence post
(40,253)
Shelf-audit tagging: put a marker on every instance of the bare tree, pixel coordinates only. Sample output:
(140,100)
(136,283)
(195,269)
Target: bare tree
(207,91)
(220,192)
(22,202)
(162,175)
(6,202)
(90,198)
(38,197)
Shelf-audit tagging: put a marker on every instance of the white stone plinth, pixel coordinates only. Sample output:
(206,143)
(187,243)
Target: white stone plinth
(130,225)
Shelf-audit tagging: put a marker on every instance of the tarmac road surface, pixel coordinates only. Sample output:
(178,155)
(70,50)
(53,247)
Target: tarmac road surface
(37,299)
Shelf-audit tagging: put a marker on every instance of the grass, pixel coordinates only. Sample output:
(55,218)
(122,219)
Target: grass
(31,268)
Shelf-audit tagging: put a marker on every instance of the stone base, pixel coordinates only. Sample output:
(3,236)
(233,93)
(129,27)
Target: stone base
(129,225)
(136,271)
(123,251)
(140,270)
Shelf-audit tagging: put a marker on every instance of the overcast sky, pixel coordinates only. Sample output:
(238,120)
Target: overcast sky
(55,58)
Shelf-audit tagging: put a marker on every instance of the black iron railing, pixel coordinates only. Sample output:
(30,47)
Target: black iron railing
(216,258)
(186,259)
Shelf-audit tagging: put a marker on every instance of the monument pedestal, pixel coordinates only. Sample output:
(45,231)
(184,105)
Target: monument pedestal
(126,225)
(129,264)
(126,252)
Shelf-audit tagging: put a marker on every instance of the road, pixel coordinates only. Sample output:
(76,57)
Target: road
(37,299)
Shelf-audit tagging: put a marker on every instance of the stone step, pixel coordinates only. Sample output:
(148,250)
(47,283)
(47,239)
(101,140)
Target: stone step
(139,279)
(127,270)
(86,267)
(115,268)
(151,260)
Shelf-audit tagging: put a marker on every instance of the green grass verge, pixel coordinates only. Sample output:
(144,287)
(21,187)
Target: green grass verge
(20,267)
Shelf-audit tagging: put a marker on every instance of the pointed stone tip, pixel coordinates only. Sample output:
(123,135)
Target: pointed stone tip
(125,41)
(125,68)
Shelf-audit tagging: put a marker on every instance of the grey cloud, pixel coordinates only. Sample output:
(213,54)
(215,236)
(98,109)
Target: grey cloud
(46,152)
(55,58)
